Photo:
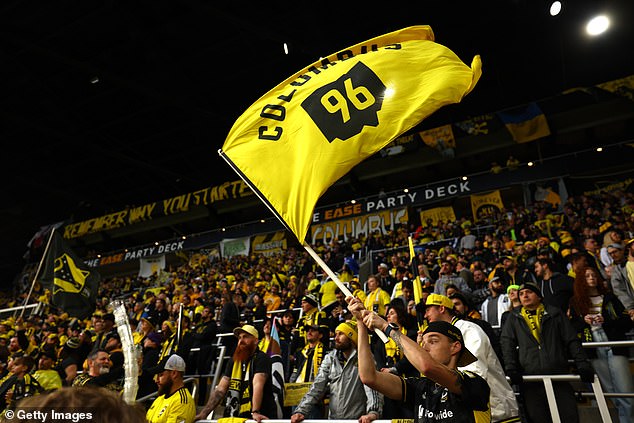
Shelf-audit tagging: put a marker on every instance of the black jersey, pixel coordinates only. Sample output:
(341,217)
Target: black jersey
(435,403)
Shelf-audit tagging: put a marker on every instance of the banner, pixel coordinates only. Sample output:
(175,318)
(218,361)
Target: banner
(403,144)
(149,266)
(479,125)
(525,123)
(623,87)
(170,206)
(358,226)
(269,244)
(346,107)
(234,247)
(440,138)
(294,392)
(486,205)
(72,283)
(435,215)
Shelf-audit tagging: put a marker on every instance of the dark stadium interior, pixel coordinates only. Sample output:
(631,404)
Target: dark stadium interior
(111,104)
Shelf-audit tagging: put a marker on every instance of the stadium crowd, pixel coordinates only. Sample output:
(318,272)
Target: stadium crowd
(575,264)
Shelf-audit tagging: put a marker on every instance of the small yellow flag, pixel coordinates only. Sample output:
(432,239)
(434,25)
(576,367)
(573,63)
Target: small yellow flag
(298,139)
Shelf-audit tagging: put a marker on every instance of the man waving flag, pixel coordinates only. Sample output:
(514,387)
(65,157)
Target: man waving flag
(309,131)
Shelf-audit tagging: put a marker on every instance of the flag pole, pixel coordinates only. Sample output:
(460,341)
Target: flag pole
(333,276)
(37,272)
(418,293)
(180,320)
(307,247)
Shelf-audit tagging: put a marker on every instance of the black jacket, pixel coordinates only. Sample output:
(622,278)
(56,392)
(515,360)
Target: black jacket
(557,290)
(559,342)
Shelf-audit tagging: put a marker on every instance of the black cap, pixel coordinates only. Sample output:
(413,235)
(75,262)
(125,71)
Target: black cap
(533,288)
(453,333)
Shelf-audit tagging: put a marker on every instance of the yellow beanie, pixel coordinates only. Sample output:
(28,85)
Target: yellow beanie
(349,329)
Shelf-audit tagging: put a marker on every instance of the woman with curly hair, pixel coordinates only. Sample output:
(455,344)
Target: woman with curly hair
(599,316)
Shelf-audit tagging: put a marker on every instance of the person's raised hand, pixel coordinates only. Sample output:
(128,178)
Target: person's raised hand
(356,307)
(374,321)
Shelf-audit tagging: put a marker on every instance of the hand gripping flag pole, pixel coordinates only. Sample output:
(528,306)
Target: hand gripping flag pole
(418,289)
(302,136)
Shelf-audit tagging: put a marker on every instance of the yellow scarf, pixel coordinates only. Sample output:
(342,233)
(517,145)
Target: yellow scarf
(534,320)
(317,355)
(264,344)
(168,346)
(239,395)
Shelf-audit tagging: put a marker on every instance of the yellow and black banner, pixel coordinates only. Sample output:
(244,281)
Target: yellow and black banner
(358,226)
(486,205)
(437,214)
(170,206)
(269,244)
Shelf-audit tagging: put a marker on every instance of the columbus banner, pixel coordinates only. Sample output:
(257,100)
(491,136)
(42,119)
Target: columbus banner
(486,205)
(359,226)
(73,284)
(309,131)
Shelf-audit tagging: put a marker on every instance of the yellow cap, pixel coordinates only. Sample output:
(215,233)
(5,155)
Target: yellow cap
(439,300)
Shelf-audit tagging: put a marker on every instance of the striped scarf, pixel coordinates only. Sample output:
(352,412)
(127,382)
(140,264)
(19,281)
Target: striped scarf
(239,395)
(314,355)
(534,320)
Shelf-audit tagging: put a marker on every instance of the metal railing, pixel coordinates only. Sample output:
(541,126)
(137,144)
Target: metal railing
(552,402)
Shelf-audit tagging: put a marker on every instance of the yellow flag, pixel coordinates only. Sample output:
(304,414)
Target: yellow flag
(486,205)
(309,131)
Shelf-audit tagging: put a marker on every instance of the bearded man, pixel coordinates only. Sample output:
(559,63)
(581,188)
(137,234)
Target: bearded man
(174,403)
(248,382)
(100,372)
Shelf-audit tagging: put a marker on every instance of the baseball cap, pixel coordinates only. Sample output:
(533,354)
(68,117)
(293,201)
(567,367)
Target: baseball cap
(251,330)
(323,329)
(173,362)
(453,333)
(439,300)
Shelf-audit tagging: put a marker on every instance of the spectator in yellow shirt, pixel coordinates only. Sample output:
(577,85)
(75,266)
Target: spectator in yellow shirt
(272,299)
(377,299)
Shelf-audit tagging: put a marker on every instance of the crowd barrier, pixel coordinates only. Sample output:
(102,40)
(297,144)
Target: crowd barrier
(597,391)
